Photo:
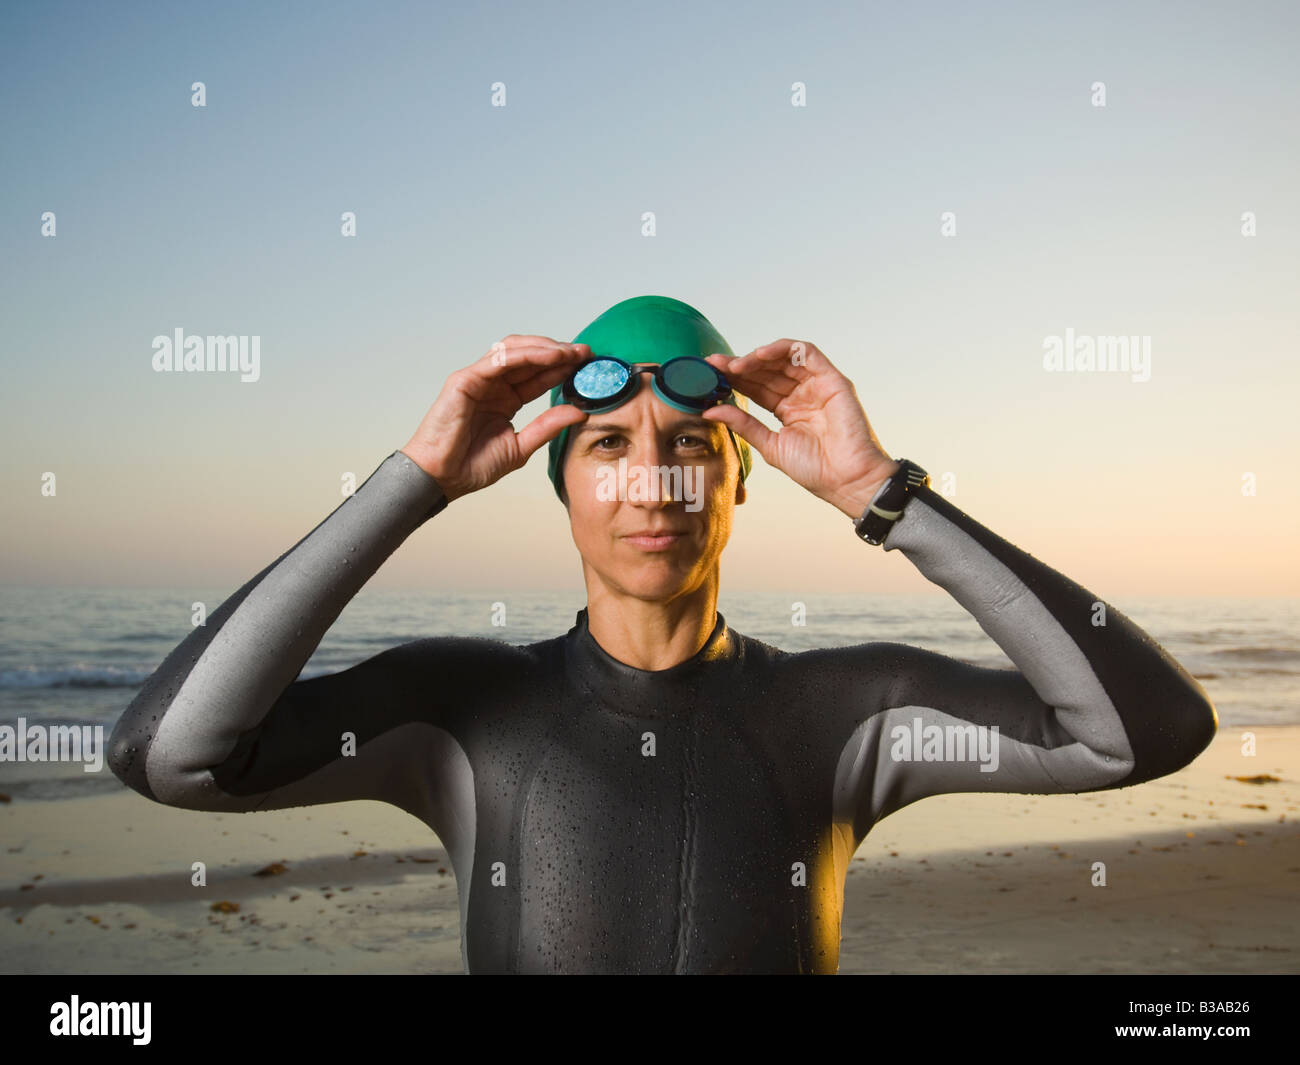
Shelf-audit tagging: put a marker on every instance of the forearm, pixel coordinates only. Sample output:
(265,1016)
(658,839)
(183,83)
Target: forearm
(1113,687)
(226,675)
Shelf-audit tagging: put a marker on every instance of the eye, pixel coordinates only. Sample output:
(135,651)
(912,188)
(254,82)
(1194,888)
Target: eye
(614,440)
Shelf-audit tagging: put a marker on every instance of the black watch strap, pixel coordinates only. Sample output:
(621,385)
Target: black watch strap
(890,501)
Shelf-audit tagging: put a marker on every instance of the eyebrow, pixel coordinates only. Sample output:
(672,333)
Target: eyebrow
(683,423)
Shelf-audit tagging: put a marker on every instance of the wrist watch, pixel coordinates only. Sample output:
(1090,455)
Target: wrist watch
(889,502)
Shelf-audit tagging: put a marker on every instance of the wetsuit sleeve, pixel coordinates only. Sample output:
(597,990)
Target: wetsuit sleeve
(222,724)
(1093,703)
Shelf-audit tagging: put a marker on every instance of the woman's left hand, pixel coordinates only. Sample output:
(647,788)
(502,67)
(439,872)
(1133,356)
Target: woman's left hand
(825,442)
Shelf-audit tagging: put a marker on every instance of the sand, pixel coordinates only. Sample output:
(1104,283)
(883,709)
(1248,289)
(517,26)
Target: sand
(1201,876)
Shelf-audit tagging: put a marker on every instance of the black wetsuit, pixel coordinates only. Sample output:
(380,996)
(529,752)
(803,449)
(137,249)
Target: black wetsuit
(603,818)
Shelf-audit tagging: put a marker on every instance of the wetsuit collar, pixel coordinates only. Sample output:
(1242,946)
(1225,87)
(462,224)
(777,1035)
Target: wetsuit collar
(601,674)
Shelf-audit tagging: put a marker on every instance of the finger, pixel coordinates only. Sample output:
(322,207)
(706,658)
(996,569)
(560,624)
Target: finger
(776,378)
(528,340)
(786,359)
(765,390)
(760,437)
(505,366)
(546,426)
(797,354)
(516,358)
(789,381)
(540,382)
(793,360)
(514,362)
(755,389)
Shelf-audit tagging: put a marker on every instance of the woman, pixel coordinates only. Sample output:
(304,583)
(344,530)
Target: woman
(654,792)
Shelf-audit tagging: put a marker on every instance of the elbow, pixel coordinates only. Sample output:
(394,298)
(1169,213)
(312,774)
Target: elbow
(161,774)
(1168,716)
(1197,723)
(1182,736)
(160,778)
(1202,725)
(127,754)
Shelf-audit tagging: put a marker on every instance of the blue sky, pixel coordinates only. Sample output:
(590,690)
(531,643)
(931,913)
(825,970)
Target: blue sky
(818,222)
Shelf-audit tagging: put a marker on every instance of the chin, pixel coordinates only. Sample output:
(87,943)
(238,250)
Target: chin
(654,587)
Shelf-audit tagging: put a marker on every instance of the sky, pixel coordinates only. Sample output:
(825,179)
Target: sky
(814,214)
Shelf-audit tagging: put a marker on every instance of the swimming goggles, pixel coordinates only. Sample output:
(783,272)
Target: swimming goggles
(687,384)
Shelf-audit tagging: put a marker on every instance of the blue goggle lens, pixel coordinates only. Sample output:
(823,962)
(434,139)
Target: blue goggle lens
(600,379)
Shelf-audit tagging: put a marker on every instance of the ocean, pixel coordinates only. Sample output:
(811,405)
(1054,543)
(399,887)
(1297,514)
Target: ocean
(77,656)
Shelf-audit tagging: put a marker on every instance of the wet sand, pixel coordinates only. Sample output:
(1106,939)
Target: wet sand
(1202,872)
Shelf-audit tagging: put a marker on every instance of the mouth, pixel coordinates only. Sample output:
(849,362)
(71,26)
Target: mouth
(650,540)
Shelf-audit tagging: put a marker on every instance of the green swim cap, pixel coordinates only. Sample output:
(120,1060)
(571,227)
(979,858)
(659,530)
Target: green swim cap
(648,329)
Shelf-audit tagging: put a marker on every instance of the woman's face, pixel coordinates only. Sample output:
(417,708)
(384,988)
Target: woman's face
(608,505)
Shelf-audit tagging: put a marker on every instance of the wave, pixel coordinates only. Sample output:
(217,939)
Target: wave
(72,677)
(1257,654)
(149,637)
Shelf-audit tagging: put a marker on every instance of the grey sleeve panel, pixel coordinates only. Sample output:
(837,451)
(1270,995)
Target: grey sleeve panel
(1090,706)
(196,733)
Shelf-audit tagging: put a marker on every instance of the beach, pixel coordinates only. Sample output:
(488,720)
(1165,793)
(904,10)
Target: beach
(1201,873)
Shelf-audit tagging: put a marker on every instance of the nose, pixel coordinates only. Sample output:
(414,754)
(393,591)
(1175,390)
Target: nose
(654,451)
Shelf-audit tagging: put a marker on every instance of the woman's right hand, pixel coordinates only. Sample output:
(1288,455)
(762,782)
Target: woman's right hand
(467,440)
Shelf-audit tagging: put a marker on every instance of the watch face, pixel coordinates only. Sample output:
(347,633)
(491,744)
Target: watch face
(874,527)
